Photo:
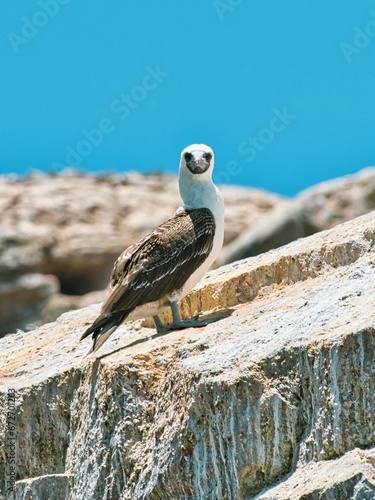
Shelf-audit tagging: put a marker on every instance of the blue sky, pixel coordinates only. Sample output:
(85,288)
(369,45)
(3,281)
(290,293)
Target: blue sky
(284,92)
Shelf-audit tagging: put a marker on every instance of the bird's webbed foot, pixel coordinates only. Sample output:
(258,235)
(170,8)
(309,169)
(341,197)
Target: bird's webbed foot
(178,324)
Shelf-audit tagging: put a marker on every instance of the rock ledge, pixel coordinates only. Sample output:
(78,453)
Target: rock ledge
(269,402)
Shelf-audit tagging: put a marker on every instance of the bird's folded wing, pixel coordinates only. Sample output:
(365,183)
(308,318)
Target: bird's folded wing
(163,261)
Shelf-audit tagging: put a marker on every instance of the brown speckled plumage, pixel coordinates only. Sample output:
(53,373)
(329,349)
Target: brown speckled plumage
(156,266)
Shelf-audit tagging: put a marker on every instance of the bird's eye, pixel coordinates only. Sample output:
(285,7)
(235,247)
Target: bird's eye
(208,156)
(188,156)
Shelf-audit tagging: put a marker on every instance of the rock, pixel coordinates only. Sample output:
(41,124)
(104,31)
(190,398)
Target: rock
(52,486)
(290,221)
(75,225)
(60,303)
(277,393)
(245,207)
(338,200)
(314,209)
(72,222)
(23,298)
(351,476)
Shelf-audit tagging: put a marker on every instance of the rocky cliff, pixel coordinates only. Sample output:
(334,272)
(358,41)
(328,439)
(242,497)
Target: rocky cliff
(274,401)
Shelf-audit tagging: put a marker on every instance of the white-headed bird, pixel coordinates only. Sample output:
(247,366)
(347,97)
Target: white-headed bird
(163,267)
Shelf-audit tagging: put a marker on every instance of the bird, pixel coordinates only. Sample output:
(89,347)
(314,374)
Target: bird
(163,267)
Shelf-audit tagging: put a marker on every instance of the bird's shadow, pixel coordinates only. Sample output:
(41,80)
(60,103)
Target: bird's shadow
(223,313)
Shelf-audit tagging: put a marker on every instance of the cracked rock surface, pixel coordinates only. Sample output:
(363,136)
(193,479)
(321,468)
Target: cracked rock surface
(274,401)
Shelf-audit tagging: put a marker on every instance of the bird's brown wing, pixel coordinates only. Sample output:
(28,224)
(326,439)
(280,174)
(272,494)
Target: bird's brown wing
(162,262)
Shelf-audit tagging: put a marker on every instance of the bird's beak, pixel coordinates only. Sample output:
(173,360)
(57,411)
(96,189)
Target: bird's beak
(199,167)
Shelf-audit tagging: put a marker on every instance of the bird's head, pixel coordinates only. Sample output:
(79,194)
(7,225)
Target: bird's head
(195,176)
(197,161)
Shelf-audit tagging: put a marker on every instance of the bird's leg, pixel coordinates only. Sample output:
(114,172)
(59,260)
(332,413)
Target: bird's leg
(160,328)
(179,324)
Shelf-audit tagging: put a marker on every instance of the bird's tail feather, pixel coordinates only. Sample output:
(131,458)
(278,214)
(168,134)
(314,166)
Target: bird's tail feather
(103,327)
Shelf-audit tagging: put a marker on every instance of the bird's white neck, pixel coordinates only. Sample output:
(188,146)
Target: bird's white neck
(199,191)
